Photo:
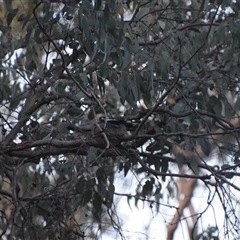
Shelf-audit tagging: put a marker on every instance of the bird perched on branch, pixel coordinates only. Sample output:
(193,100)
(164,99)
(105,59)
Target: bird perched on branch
(115,130)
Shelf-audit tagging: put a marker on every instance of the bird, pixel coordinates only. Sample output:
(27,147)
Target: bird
(115,130)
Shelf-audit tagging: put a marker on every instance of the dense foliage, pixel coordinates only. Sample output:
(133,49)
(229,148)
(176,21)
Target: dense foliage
(170,68)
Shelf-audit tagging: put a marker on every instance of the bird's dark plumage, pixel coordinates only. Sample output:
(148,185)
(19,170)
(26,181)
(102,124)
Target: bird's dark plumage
(114,129)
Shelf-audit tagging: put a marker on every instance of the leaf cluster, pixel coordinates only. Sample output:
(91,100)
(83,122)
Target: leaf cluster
(170,68)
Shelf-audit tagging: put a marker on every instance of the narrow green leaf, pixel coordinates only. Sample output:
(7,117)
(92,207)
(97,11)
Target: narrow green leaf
(147,188)
(215,105)
(206,147)
(165,165)
(91,154)
(106,14)
(178,107)
(158,189)
(86,197)
(102,191)
(130,98)
(180,160)
(128,201)
(97,4)
(80,185)
(121,87)
(126,169)
(101,86)
(22,17)
(126,59)
(85,27)
(110,195)
(194,166)
(111,189)
(143,12)
(11,15)
(229,175)
(134,88)
(97,202)
(225,166)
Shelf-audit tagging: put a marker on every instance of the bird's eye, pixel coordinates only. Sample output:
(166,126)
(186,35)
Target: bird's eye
(101,119)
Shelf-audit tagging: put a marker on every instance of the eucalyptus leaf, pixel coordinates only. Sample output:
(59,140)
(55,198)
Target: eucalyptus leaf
(91,154)
(97,202)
